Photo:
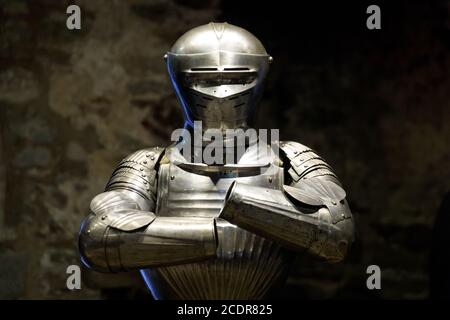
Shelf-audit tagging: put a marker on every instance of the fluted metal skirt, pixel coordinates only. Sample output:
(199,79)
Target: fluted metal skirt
(247,267)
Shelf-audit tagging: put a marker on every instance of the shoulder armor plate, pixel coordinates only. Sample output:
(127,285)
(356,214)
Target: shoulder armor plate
(137,173)
(304,163)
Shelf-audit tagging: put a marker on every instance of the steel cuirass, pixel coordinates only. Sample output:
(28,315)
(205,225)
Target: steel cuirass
(246,265)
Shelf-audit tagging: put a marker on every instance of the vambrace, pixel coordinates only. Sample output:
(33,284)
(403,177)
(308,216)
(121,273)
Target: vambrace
(139,239)
(300,219)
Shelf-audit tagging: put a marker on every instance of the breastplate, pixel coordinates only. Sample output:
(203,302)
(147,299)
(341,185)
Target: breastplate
(247,266)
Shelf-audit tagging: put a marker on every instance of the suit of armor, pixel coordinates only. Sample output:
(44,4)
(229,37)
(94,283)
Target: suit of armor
(216,231)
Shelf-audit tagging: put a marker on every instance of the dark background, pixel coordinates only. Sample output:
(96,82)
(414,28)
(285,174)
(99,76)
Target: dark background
(374,103)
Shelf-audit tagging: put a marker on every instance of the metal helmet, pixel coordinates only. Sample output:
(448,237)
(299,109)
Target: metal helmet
(217,70)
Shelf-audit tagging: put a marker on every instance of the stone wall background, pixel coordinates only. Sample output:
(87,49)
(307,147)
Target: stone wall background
(374,104)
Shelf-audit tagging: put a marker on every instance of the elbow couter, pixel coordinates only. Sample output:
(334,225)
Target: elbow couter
(91,245)
(339,241)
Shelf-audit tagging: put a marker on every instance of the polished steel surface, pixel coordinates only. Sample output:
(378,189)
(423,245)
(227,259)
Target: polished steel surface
(217,71)
(269,213)
(218,36)
(304,163)
(247,265)
(184,190)
(216,231)
(122,233)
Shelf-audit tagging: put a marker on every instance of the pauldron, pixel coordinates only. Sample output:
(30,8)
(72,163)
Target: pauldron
(137,173)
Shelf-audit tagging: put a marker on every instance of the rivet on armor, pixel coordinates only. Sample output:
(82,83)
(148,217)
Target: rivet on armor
(334,202)
(343,215)
(270,179)
(88,231)
(142,169)
(295,152)
(145,162)
(104,217)
(145,182)
(147,155)
(172,177)
(152,158)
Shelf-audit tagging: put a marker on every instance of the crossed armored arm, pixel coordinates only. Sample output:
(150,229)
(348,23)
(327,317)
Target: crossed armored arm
(123,233)
(309,214)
